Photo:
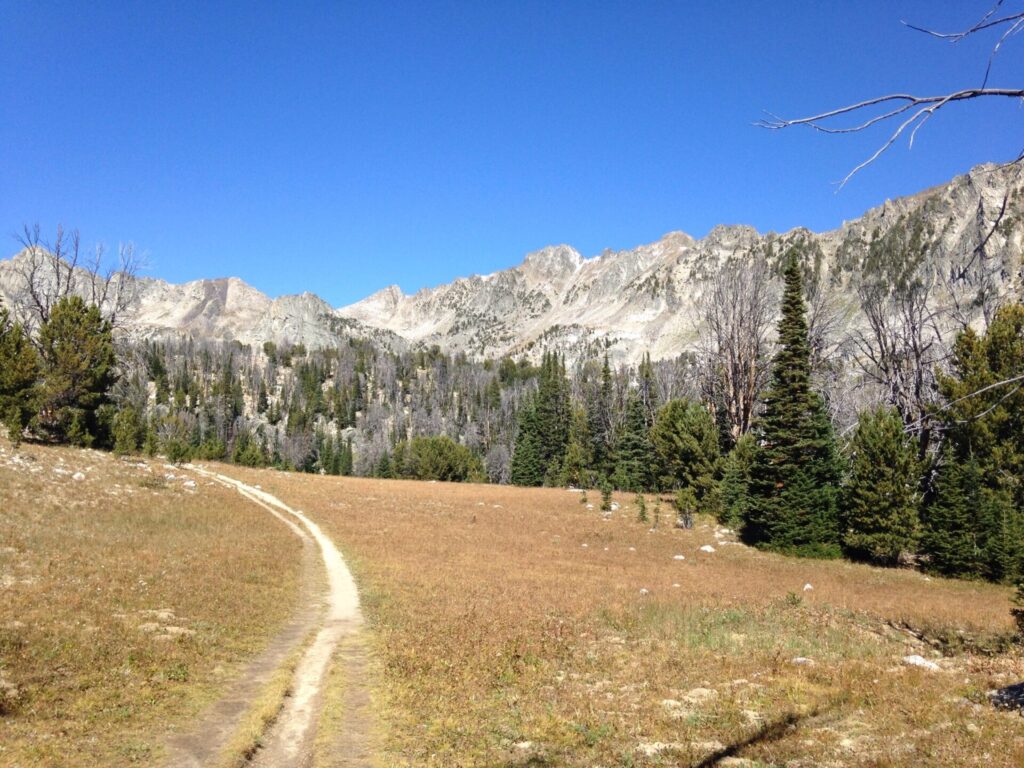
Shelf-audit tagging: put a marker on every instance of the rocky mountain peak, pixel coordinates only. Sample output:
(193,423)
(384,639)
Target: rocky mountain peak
(552,263)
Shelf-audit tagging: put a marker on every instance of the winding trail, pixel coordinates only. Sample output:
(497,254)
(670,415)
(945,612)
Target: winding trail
(289,742)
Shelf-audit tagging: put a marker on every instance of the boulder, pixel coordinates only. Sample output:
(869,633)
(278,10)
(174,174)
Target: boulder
(1010,697)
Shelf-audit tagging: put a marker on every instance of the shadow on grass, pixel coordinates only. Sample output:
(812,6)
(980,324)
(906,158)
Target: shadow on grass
(767,733)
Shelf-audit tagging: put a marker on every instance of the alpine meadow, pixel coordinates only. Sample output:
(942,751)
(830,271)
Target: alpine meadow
(749,499)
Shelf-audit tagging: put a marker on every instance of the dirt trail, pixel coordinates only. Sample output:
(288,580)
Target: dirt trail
(290,740)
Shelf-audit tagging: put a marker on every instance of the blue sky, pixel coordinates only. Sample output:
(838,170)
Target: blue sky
(342,147)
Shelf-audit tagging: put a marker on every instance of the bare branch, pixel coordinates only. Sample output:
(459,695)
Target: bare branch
(922,108)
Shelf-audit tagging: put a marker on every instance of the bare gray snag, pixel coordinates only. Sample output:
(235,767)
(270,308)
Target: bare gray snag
(737,310)
(51,271)
(909,112)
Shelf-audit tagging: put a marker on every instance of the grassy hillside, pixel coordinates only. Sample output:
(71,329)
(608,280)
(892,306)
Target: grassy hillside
(130,594)
(518,627)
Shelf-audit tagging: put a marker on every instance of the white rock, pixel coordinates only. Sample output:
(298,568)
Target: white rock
(615,506)
(707,548)
(678,557)
(78,476)
(808,587)
(585,546)
(802,661)
(920,661)
(644,591)
(676,585)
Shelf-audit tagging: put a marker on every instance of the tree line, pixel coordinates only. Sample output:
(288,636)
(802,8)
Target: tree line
(925,467)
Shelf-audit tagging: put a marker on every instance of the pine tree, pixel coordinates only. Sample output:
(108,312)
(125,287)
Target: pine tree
(880,497)
(543,433)
(685,440)
(19,374)
(736,481)
(950,536)
(576,467)
(984,427)
(647,389)
(795,472)
(599,422)
(78,359)
(527,462)
(635,455)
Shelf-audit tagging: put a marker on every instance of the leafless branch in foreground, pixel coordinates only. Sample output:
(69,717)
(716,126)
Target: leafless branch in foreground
(910,110)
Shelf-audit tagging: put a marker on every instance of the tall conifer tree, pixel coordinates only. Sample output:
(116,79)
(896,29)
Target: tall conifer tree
(795,471)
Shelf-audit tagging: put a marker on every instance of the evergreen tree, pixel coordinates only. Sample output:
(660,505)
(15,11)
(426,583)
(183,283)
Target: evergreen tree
(527,462)
(647,389)
(19,374)
(685,440)
(599,422)
(984,427)
(736,481)
(635,455)
(577,465)
(384,468)
(543,433)
(950,538)
(880,497)
(795,472)
(128,431)
(78,359)
(345,458)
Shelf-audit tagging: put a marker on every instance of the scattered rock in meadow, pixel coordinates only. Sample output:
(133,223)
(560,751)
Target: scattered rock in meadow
(149,627)
(707,548)
(802,661)
(644,591)
(808,587)
(678,557)
(915,660)
(78,476)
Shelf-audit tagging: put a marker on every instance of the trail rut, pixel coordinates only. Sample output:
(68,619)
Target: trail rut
(290,740)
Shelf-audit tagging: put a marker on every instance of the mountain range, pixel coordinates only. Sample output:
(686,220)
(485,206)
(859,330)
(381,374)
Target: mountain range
(628,303)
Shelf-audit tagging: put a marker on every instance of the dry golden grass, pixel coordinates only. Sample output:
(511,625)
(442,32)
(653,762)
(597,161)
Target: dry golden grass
(129,598)
(511,629)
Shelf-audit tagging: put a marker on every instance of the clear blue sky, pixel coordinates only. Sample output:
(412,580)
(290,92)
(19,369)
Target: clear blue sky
(341,147)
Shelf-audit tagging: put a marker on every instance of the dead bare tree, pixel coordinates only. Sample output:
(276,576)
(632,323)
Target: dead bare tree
(910,112)
(902,348)
(52,270)
(736,312)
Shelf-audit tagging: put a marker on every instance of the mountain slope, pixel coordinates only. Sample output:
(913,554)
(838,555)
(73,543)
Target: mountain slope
(626,302)
(645,299)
